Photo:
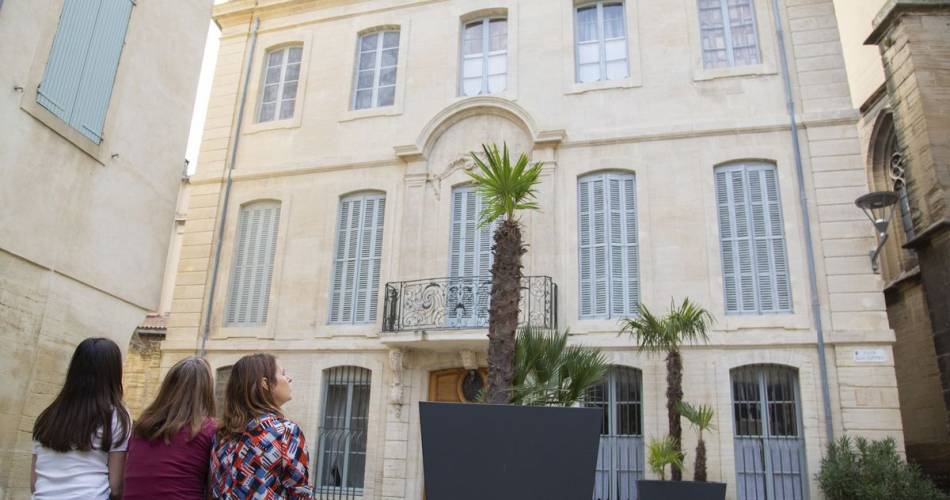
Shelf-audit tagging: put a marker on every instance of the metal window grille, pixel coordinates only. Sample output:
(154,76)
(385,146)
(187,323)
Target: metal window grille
(341,444)
(769,447)
(620,457)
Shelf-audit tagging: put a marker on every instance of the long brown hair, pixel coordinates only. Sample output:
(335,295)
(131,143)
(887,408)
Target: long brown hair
(246,398)
(91,393)
(186,398)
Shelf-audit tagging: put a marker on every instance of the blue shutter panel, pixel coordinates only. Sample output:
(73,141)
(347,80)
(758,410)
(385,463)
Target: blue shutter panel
(102,62)
(253,268)
(355,286)
(64,67)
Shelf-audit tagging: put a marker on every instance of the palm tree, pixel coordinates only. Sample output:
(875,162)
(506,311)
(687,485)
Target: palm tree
(505,188)
(701,417)
(686,323)
(548,372)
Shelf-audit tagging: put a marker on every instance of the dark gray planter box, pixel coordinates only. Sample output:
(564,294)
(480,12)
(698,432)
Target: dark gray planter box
(680,490)
(500,452)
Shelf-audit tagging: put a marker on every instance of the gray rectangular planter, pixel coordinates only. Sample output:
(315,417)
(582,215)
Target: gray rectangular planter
(501,452)
(680,490)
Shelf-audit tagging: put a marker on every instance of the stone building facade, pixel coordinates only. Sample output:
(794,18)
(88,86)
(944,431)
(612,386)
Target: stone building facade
(337,195)
(904,131)
(95,110)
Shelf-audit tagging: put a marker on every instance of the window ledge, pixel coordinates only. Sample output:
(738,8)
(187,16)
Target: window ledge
(580,88)
(242,332)
(286,123)
(98,152)
(359,114)
(702,74)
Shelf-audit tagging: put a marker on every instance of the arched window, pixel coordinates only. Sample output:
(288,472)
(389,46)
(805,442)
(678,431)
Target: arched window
(359,244)
(484,64)
(600,41)
(620,457)
(376,62)
(253,266)
(608,245)
(888,173)
(279,89)
(752,239)
(769,447)
(341,443)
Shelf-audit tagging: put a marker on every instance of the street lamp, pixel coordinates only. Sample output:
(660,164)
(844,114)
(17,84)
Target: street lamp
(877,206)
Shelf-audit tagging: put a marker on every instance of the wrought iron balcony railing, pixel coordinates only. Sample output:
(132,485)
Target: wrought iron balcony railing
(462,303)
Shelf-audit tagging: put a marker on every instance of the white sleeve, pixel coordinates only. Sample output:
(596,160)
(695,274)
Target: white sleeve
(118,442)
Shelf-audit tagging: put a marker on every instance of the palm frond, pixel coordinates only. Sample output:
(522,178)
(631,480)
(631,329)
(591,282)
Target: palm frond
(700,416)
(549,372)
(663,452)
(686,323)
(505,188)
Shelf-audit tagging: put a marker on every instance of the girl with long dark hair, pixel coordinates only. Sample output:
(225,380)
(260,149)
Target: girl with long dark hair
(258,452)
(170,446)
(80,440)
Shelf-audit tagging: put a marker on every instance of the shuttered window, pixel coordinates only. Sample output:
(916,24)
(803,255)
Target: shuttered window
(80,71)
(253,269)
(470,260)
(728,33)
(359,244)
(752,239)
(281,75)
(608,254)
(484,56)
(376,61)
(600,42)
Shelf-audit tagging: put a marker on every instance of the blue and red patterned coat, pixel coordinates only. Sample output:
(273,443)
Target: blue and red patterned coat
(269,461)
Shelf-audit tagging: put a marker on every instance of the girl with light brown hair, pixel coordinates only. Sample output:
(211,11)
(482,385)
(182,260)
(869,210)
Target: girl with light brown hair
(171,442)
(258,452)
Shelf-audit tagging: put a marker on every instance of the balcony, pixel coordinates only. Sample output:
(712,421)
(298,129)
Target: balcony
(462,304)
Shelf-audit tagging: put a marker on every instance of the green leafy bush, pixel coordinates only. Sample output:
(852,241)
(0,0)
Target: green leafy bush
(872,470)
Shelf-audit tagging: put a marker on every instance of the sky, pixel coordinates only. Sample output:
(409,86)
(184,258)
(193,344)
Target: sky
(863,63)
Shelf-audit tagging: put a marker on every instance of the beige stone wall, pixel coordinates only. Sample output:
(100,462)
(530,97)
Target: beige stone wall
(670,124)
(85,229)
(141,372)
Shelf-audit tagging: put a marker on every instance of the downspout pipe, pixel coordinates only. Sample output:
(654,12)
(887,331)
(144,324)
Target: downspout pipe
(806,224)
(216,263)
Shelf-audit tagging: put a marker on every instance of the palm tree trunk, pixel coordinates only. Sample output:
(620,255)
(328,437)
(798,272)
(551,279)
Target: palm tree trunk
(699,468)
(674,394)
(503,311)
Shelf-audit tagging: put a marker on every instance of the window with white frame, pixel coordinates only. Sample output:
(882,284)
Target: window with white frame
(752,239)
(600,41)
(620,455)
(253,267)
(83,61)
(359,245)
(281,75)
(376,61)
(484,56)
(608,245)
(342,438)
(728,33)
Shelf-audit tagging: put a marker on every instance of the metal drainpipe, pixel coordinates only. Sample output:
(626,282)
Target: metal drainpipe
(216,264)
(806,222)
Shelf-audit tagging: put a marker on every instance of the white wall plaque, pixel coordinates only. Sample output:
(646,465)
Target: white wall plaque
(870,355)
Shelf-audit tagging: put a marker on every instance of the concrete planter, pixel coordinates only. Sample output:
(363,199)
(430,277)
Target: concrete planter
(476,451)
(680,490)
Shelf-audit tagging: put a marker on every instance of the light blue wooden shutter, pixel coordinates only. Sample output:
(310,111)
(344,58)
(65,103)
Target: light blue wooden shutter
(355,286)
(470,257)
(253,268)
(751,231)
(82,64)
(77,22)
(609,274)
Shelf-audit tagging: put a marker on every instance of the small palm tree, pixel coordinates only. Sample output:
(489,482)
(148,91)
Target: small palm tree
(663,452)
(505,188)
(701,417)
(686,323)
(548,372)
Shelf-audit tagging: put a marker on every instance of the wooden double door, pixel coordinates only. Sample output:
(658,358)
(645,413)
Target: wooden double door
(457,385)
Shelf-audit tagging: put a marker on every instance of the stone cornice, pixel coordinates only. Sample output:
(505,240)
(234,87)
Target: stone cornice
(893,9)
